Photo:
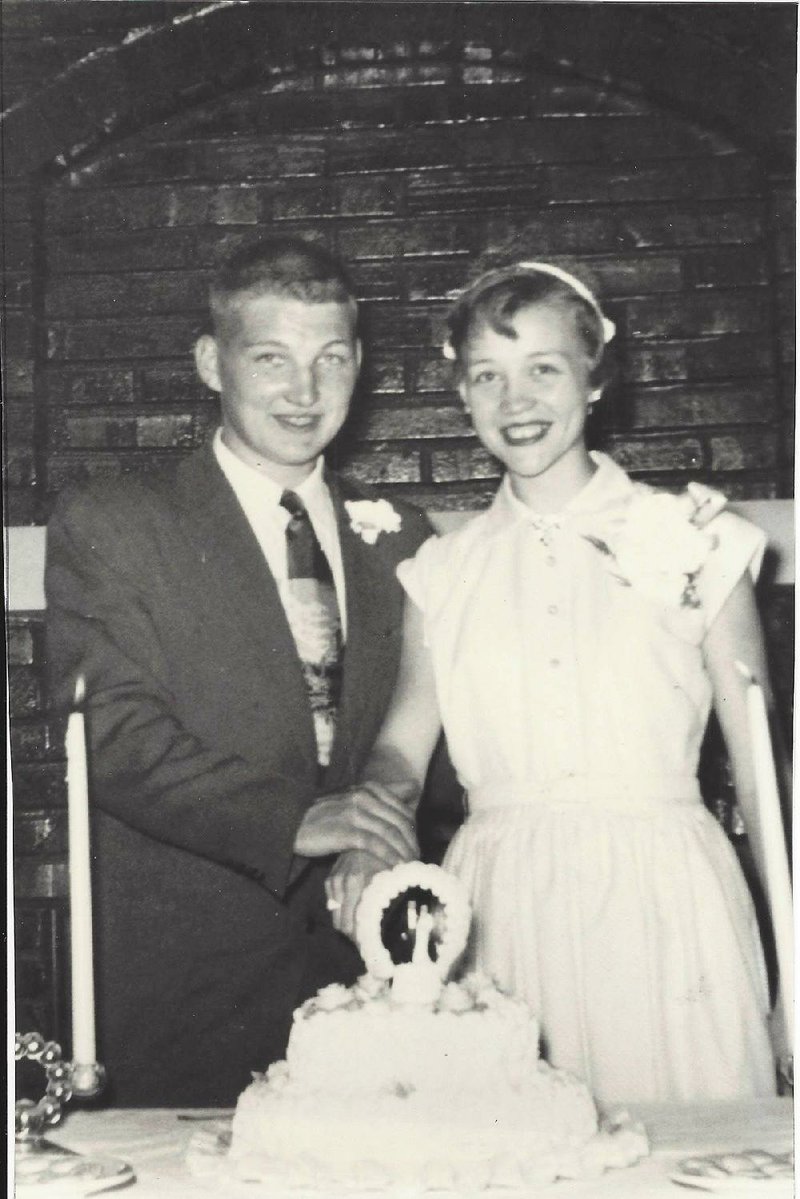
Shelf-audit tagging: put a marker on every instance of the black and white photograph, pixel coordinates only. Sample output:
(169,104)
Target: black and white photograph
(398,477)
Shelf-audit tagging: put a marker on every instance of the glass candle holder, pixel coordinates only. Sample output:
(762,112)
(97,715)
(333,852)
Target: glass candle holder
(32,1117)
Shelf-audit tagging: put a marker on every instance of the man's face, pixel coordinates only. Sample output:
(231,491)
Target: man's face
(285,371)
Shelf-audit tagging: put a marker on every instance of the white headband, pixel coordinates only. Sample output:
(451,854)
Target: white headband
(543,268)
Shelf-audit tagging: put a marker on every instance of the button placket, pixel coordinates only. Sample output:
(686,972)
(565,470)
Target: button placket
(556,657)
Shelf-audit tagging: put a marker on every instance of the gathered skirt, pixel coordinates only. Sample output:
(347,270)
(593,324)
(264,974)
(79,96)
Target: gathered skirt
(630,930)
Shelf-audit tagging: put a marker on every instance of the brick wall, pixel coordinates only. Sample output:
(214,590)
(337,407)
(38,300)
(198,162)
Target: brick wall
(425,178)
(412,157)
(40,837)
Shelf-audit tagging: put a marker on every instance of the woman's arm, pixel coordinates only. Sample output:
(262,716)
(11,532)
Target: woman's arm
(399,760)
(736,636)
(412,725)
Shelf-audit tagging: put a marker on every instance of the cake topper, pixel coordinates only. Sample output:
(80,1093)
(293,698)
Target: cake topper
(435,912)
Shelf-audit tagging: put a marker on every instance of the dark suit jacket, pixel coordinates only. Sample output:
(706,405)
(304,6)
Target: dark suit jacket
(203,761)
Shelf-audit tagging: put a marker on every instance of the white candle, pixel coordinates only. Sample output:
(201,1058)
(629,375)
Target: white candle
(776,864)
(80,887)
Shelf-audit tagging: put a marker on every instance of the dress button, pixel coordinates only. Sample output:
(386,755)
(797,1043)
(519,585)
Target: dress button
(552,609)
(555,661)
(550,559)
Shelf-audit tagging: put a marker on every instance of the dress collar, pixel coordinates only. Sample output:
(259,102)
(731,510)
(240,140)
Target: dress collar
(608,488)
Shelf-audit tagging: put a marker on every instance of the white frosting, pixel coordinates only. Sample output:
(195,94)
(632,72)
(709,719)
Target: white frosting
(376,1093)
(371,1046)
(417,1083)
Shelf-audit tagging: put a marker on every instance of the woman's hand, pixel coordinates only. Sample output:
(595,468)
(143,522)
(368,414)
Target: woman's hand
(370,817)
(345,884)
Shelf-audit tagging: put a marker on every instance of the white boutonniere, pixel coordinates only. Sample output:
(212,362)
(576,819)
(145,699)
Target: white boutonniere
(661,545)
(370,518)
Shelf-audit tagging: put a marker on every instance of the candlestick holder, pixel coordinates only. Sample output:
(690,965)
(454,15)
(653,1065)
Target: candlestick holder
(65,1080)
(42,1168)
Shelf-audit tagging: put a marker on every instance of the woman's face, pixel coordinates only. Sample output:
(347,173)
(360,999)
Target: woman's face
(528,394)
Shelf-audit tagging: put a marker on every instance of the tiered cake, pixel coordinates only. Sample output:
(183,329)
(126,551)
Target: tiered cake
(407,1081)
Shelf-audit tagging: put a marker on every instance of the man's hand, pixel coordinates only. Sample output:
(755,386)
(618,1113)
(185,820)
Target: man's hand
(370,817)
(344,885)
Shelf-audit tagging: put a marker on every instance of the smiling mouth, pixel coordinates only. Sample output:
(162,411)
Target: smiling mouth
(526,434)
(298,424)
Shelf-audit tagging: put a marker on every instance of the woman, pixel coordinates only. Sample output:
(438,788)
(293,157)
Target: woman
(572,640)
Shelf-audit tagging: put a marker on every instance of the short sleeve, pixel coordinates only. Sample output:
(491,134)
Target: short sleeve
(415,573)
(738,549)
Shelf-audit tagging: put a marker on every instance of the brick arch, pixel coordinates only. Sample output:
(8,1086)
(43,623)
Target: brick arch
(210,49)
(208,56)
(411,184)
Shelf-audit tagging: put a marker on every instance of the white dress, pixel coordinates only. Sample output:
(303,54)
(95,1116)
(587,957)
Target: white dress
(574,705)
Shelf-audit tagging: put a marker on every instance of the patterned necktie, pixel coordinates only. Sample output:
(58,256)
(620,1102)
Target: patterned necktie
(312,610)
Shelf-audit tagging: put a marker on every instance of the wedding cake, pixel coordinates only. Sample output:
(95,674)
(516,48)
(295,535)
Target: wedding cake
(407,1081)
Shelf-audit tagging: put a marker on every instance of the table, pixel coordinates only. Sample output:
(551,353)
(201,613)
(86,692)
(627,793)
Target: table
(154,1142)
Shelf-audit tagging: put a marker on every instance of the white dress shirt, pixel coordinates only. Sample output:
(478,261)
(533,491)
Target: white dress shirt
(260,498)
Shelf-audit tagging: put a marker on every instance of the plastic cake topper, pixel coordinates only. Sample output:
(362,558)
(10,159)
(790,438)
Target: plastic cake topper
(430,909)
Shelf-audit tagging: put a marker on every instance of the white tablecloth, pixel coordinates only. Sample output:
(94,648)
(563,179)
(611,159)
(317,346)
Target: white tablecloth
(154,1143)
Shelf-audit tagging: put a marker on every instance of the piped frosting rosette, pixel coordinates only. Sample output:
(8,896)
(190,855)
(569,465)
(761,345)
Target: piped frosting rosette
(421,979)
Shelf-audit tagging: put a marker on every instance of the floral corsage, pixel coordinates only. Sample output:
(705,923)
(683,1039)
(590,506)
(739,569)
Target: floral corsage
(661,545)
(370,518)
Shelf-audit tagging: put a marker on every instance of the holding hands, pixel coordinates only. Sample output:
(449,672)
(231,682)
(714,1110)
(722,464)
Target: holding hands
(345,884)
(371,827)
(370,817)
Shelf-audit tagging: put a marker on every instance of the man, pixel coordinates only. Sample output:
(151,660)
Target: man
(237,622)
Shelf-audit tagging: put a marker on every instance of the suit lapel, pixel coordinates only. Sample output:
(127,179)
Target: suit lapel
(368,617)
(240,584)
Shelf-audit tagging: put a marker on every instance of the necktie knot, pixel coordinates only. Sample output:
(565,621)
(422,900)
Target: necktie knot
(306,558)
(291,501)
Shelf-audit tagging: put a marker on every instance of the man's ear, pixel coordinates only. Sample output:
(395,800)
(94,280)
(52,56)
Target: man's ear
(206,359)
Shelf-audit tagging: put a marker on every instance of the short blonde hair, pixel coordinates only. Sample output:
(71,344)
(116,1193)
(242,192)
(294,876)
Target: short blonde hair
(279,266)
